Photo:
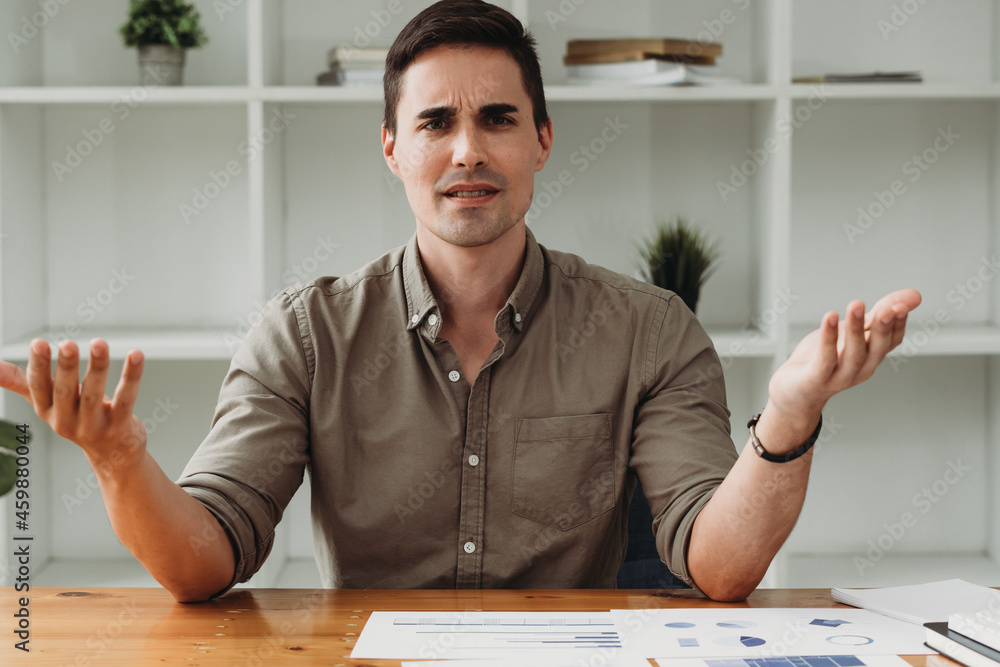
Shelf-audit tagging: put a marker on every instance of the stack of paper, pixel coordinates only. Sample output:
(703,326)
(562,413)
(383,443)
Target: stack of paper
(922,603)
(647,73)
(723,637)
(354,67)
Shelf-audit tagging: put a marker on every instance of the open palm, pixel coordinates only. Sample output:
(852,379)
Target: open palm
(840,355)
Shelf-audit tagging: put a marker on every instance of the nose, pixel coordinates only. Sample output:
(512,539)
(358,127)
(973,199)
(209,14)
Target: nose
(469,149)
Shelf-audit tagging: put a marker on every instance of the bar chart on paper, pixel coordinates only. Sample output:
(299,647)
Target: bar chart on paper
(412,635)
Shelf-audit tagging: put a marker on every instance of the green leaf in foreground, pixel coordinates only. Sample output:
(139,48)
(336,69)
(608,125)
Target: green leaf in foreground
(9,443)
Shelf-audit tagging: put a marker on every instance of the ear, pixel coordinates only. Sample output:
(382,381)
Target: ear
(389,151)
(545,144)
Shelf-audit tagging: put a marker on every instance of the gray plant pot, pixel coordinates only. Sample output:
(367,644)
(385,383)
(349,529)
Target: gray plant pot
(161,64)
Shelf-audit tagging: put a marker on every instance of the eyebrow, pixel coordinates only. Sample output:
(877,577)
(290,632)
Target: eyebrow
(441,113)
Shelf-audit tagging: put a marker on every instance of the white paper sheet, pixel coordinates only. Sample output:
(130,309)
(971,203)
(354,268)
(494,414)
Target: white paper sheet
(922,603)
(792,661)
(604,658)
(722,632)
(409,635)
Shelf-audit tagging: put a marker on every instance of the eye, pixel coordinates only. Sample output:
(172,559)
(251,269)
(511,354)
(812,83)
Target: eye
(436,124)
(500,121)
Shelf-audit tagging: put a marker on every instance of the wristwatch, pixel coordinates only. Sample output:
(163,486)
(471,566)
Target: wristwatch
(781,458)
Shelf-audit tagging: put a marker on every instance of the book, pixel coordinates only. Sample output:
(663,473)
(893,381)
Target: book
(630,56)
(922,603)
(343,54)
(958,647)
(661,45)
(982,626)
(646,73)
(350,77)
(863,77)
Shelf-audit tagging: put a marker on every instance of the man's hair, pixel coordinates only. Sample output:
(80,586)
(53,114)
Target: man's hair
(463,23)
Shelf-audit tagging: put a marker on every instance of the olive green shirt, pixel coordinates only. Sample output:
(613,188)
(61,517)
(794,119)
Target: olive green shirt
(418,480)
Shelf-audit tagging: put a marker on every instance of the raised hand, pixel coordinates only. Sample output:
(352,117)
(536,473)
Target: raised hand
(103,427)
(839,355)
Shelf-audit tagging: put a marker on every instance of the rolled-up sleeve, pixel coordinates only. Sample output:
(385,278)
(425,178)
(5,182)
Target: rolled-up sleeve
(681,446)
(252,461)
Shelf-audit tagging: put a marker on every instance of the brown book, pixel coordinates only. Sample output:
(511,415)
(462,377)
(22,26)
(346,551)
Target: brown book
(662,46)
(631,56)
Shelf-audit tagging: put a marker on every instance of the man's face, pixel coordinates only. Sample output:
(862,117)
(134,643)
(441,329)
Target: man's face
(466,146)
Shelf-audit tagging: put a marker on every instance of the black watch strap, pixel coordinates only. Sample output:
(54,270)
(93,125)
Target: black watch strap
(781,458)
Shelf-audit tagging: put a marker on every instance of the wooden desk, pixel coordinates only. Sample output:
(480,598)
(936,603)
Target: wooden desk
(138,626)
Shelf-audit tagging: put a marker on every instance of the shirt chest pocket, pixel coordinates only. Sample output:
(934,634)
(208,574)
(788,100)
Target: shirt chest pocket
(564,469)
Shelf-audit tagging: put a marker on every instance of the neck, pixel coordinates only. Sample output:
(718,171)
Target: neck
(472,284)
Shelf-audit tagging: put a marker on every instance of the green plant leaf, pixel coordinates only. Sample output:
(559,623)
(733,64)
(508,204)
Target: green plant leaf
(172,22)
(678,257)
(8,464)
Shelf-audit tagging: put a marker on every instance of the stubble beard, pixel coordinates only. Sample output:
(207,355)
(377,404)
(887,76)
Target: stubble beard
(472,228)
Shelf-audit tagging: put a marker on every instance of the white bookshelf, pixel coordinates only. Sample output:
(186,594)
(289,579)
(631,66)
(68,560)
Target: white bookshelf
(315,198)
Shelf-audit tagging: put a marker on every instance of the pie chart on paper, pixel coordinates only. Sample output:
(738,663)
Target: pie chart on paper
(741,641)
(736,624)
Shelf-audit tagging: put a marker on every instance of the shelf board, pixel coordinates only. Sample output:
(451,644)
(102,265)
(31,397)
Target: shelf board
(155,344)
(948,341)
(553,93)
(68,572)
(803,571)
(824,571)
(182,344)
(133,95)
(609,93)
(742,344)
(898,91)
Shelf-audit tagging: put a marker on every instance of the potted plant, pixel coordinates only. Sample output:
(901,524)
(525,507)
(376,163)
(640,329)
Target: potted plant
(163,29)
(679,258)
(11,437)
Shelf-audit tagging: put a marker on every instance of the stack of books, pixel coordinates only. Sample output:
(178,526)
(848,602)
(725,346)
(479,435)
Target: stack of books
(354,67)
(863,77)
(644,61)
(972,639)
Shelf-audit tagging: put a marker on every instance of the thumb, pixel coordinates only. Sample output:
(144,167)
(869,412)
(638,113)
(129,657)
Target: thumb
(14,379)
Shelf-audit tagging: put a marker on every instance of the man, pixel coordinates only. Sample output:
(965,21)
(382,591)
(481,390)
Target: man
(485,452)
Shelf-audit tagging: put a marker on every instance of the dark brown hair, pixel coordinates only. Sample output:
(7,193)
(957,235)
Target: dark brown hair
(463,22)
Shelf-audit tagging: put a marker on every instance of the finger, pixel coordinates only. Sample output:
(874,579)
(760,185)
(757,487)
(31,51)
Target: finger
(92,391)
(128,386)
(66,387)
(905,299)
(14,379)
(898,326)
(855,347)
(826,359)
(879,341)
(40,377)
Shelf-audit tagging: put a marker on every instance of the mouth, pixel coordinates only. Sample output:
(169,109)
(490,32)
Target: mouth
(466,194)
(474,194)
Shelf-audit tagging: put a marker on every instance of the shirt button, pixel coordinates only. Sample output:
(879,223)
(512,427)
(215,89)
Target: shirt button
(517,317)
(473,460)
(432,320)
(469,547)
(453,376)
(415,319)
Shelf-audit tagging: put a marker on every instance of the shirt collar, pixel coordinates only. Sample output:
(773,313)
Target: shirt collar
(420,301)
